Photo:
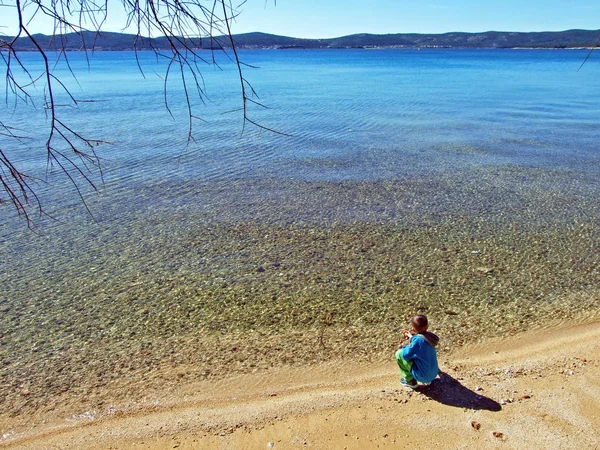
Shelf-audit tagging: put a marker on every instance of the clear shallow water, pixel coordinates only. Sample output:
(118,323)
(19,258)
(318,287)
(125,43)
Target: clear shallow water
(463,180)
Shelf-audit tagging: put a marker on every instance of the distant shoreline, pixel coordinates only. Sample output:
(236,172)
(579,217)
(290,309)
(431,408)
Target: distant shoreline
(100,49)
(107,41)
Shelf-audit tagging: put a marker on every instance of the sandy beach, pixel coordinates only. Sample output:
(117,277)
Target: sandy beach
(537,389)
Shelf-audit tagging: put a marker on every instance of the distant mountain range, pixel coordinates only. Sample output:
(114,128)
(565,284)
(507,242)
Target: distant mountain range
(489,39)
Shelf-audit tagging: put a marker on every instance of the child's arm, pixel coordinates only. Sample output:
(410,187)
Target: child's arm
(405,335)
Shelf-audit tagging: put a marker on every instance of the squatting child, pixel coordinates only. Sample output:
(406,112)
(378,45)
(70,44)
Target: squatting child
(418,360)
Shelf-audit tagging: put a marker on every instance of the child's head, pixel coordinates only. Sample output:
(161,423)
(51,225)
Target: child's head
(419,323)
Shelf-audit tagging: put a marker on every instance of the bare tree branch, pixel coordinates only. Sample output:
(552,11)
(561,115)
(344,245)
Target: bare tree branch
(185,24)
(596,44)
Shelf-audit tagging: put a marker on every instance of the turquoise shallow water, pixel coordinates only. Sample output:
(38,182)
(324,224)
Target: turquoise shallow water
(435,180)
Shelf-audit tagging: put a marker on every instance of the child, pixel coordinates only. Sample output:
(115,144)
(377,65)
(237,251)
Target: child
(418,360)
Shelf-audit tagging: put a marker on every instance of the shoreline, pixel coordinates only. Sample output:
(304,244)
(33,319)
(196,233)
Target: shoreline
(365,47)
(537,387)
(240,296)
(254,40)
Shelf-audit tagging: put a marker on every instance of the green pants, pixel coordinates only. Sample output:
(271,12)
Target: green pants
(404,366)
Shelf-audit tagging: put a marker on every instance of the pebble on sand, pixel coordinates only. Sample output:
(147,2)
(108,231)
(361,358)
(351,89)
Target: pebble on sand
(499,435)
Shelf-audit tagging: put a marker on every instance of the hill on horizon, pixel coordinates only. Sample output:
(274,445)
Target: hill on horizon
(490,39)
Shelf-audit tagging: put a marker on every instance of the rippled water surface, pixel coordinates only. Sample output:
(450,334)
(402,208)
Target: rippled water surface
(461,183)
(353,115)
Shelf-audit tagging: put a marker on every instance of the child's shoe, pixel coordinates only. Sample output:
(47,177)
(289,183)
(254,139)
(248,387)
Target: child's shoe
(411,384)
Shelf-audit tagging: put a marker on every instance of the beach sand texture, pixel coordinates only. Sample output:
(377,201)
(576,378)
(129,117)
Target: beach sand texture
(537,389)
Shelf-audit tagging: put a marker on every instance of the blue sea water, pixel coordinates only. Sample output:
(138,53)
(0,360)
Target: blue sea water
(384,114)
(462,180)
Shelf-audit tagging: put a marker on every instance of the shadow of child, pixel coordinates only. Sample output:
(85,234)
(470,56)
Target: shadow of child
(448,391)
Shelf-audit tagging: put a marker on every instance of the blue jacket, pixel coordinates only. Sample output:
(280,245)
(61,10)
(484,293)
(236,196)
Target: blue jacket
(422,354)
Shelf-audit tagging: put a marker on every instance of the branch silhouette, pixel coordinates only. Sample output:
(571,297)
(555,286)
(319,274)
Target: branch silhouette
(184,25)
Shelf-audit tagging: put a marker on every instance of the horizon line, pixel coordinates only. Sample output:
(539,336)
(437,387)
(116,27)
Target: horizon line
(329,38)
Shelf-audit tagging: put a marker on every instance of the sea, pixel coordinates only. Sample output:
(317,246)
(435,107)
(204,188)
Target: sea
(335,115)
(364,185)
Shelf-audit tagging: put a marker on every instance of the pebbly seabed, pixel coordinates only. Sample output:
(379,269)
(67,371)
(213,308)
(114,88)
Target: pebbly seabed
(208,290)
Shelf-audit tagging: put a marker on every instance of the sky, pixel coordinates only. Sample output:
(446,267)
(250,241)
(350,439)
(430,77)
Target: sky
(334,18)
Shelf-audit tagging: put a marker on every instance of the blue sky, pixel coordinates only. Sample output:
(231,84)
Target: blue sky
(332,18)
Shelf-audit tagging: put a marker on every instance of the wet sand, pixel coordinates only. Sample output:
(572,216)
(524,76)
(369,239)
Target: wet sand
(535,390)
